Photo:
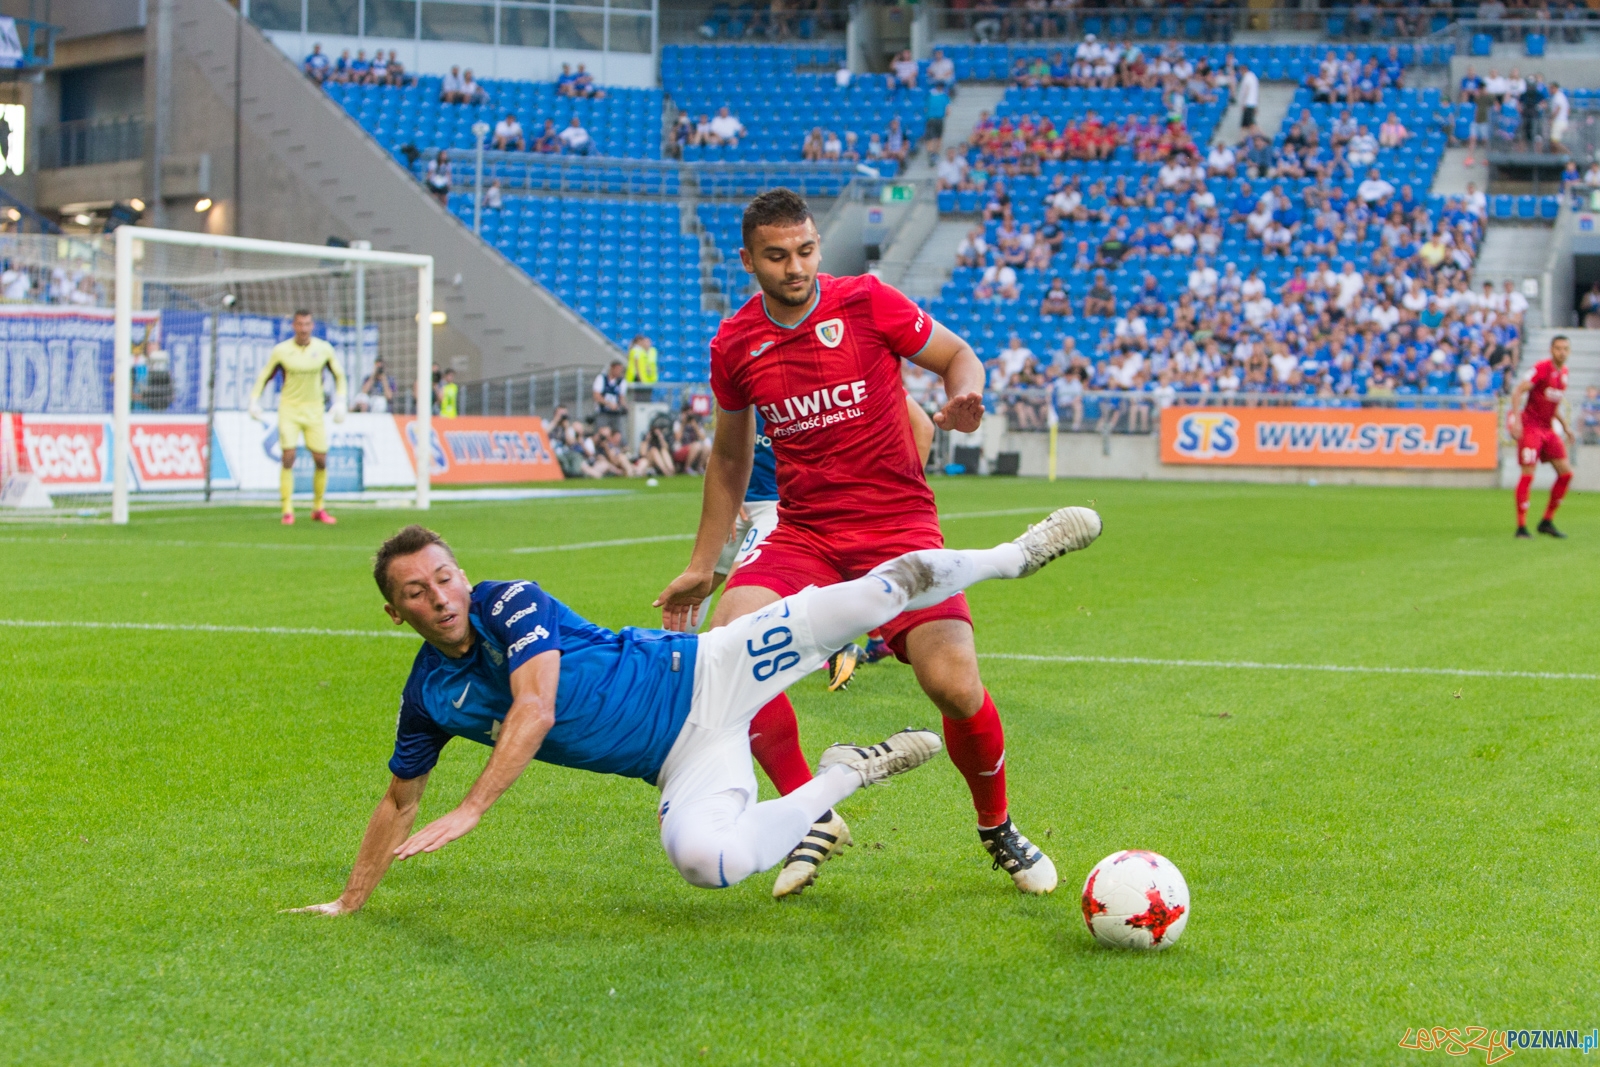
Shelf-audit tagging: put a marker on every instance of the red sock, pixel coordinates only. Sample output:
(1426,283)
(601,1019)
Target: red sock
(1557,491)
(1524,484)
(978,749)
(775,743)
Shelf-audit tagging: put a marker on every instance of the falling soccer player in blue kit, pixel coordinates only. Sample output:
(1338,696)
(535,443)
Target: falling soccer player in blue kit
(507,665)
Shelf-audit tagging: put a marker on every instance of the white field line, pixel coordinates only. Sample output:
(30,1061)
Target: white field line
(1330,668)
(529,550)
(1128,661)
(268,631)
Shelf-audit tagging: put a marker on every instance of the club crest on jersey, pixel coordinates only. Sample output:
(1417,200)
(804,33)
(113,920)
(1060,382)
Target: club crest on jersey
(831,332)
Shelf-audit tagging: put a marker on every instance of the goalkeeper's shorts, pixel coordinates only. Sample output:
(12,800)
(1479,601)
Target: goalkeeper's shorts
(294,423)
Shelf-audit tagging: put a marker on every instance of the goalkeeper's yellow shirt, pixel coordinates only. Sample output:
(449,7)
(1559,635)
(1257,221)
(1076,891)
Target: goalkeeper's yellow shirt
(302,375)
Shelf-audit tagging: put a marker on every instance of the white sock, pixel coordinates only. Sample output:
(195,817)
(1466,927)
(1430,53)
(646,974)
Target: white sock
(915,580)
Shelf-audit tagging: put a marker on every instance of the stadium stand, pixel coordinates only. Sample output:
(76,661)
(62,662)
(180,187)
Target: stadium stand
(625,266)
(625,124)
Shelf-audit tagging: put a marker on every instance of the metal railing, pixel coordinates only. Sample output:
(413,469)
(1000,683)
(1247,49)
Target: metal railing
(18,217)
(1109,411)
(707,22)
(1581,26)
(549,172)
(570,387)
(988,22)
(87,141)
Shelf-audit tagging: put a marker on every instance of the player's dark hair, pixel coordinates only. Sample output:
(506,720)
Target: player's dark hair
(407,542)
(302,311)
(1559,337)
(775,207)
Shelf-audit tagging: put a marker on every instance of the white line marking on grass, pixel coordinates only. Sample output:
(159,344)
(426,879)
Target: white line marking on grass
(277,631)
(1332,668)
(603,544)
(994,514)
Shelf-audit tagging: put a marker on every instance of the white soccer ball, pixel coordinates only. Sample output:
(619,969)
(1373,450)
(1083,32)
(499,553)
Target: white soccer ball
(1136,899)
(651,482)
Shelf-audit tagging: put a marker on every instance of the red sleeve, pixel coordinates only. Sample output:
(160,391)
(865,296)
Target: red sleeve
(730,397)
(905,327)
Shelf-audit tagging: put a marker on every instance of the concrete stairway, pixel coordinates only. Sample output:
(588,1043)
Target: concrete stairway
(1583,365)
(309,171)
(1513,253)
(936,259)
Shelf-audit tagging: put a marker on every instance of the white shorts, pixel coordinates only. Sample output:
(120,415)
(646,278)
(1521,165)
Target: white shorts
(748,533)
(737,669)
(1558,130)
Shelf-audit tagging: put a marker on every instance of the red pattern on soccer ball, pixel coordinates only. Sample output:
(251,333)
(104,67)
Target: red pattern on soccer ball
(1091,906)
(1157,918)
(1152,858)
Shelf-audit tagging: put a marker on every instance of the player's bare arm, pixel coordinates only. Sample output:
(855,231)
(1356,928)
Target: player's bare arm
(727,475)
(390,823)
(532,714)
(952,359)
(1519,396)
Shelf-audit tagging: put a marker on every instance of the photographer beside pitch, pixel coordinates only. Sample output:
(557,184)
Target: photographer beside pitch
(508,666)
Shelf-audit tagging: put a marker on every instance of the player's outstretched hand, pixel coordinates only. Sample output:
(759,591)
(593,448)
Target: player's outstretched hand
(340,412)
(332,907)
(679,600)
(963,413)
(255,411)
(437,834)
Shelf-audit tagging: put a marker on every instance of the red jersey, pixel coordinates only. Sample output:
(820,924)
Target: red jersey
(830,391)
(1549,385)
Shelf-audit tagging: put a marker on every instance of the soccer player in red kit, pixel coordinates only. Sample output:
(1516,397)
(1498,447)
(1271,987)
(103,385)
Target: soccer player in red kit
(819,357)
(1532,424)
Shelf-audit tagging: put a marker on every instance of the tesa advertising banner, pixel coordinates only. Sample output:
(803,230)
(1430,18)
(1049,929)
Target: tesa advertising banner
(73,452)
(69,452)
(479,449)
(1330,437)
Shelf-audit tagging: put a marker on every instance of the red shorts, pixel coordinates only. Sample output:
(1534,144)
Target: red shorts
(791,559)
(1540,444)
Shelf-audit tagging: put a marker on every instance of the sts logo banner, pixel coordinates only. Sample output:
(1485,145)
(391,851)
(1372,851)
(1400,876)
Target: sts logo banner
(1207,435)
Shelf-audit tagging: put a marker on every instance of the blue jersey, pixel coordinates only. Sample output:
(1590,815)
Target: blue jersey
(620,704)
(764,470)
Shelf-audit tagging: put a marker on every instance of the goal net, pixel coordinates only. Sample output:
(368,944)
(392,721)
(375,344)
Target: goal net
(128,357)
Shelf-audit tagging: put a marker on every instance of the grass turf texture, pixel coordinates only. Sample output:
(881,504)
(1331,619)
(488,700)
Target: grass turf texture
(1366,853)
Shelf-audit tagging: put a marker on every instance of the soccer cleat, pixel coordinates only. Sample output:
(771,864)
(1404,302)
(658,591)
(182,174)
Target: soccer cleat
(1548,527)
(827,838)
(877,648)
(322,516)
(1029,868)
(1522,532)
(842,667)
(288,518)
(911,747)
(1063,530)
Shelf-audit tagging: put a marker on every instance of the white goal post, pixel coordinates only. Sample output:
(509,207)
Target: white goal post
(242,282)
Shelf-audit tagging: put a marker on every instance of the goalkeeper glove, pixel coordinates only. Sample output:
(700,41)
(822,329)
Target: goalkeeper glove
(255,411)
(339,410)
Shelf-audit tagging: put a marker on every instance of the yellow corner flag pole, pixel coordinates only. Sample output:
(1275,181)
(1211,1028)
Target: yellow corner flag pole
(1055,428)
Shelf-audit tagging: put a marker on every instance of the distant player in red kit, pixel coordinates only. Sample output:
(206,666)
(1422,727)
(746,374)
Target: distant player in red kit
(819,357)
(1532,425)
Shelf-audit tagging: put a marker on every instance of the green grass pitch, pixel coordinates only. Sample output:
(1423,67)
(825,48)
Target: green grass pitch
(1366,852)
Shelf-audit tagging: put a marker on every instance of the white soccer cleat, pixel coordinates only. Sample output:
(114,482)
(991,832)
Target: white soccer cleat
(1030,869)
(827,838)
(898,753)
(1063,530)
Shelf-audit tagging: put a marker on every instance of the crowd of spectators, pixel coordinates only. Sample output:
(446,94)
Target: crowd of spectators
(723,128)
(1508,109)
(598,447)
(379,70)
(1406,323)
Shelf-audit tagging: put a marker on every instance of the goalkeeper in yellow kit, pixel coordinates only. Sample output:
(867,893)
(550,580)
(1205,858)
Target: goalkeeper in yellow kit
(301,360)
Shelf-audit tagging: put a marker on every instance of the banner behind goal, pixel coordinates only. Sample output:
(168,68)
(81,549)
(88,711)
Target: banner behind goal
(197,314)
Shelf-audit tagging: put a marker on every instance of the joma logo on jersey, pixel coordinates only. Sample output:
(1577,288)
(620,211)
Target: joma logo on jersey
(1207,435)
(831,332)
(760,348)
(827,398)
